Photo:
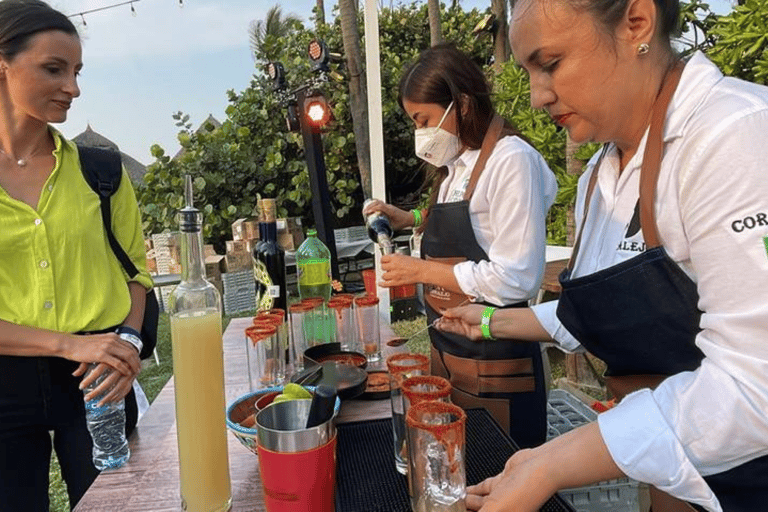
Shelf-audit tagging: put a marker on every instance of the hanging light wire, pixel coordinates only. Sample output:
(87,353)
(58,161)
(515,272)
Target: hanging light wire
(104,8)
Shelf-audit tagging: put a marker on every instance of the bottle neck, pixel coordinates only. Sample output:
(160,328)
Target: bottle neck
(193,264)
(262,231)
(270,229)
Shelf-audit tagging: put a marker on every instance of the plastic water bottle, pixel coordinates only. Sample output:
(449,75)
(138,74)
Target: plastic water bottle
(106,425)
(313,264)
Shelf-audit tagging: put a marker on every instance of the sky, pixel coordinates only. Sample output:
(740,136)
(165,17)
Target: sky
(140,69)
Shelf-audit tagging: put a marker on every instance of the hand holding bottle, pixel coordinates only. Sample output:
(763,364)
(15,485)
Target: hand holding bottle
(104,383)
(110,353)
(398,219)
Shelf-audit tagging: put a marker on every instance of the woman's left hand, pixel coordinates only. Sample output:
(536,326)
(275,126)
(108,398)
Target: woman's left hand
(117,384)
(523,486)
(463,320)
(531,476)
(399,269)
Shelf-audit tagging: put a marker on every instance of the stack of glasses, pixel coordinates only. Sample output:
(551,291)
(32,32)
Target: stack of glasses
(429,434)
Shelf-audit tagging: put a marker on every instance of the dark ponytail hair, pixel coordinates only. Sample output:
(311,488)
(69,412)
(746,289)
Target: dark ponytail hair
(443,74)
(20,20)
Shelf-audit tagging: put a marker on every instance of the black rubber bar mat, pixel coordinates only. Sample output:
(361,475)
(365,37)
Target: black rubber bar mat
(366,478)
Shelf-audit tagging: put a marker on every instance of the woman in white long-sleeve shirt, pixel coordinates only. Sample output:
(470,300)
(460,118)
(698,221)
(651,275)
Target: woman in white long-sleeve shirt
(484,238)
(670,281)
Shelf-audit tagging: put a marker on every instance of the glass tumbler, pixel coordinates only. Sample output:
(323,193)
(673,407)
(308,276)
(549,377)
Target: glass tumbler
(367,319)
(260,355)
(341,311)
(436,465)
(299,334)
(425,388)
(276,317)
(402,366)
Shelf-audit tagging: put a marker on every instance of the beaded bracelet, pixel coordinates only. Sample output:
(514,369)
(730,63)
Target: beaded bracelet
(417,219)
(485,323)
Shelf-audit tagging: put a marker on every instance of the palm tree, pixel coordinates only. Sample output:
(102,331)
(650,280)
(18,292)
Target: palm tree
(358,95)
(501,34)
(266,35)
(435,29)
(320,6)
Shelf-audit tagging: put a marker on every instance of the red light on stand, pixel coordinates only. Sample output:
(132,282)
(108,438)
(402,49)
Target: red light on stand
(317,110)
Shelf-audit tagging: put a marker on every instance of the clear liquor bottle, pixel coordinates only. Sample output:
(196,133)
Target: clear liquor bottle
(198,371)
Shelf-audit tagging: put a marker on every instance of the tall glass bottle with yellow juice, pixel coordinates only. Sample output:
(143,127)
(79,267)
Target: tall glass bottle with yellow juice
(198,372)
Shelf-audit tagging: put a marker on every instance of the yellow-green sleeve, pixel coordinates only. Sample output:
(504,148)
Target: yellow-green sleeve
(126,225)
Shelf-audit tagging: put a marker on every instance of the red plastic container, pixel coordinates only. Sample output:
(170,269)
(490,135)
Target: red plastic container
(369,279)
(300,481)
(403,291)
(396,292)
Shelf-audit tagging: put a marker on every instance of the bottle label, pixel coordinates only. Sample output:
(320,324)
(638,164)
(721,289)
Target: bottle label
(264,300)
(274,291)
(314,272)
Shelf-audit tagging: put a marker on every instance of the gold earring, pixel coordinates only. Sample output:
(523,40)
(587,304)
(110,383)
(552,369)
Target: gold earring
(643,48)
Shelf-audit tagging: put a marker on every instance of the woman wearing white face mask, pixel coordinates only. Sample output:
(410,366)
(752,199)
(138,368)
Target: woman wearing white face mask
(484,234)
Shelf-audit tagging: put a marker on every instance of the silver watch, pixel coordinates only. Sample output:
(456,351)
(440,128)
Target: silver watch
(132,339)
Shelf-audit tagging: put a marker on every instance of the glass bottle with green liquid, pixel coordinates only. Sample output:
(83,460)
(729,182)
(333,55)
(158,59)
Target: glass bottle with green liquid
(198,372)
(313,265)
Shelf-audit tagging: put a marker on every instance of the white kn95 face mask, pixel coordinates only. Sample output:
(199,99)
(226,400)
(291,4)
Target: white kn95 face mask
(435,145)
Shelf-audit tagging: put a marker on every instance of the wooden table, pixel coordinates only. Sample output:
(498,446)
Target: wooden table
(150,479)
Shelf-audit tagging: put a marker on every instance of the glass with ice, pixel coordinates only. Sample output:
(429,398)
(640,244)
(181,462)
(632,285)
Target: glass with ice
(437,477)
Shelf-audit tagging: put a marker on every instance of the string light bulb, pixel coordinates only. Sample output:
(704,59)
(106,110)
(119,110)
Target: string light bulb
(104,8)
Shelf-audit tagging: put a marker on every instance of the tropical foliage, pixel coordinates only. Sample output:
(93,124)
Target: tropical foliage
(253,154)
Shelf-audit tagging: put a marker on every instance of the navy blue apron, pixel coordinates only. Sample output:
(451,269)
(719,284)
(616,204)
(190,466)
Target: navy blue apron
(641,318)
(504,376)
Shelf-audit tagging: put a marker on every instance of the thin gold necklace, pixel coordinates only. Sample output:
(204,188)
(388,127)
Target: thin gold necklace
(22,162)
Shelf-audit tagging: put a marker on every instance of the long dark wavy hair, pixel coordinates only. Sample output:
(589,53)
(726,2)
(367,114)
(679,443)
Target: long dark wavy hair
(444,74)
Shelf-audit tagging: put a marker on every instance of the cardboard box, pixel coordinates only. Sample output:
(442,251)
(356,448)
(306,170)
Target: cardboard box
(245,229)
(151,262)
(290,234)
(250,244)
(214,266)
(236,261)
(167,252)
(208,250)
(234,246)
(218,283)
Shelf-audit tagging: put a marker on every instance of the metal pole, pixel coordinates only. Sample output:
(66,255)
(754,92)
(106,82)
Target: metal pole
(318,182)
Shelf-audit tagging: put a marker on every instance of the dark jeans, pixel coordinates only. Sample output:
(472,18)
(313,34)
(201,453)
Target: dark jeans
(39,396)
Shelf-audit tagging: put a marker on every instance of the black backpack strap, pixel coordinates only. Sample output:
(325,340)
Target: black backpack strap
(103,171)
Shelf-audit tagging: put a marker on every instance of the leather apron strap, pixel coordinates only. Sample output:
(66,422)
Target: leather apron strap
(649,171)
(489,142)
(450,299)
